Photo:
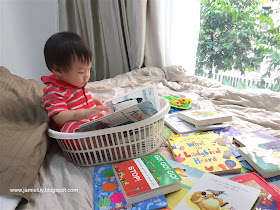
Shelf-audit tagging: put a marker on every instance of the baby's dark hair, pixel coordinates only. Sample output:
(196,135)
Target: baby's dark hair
(61,48)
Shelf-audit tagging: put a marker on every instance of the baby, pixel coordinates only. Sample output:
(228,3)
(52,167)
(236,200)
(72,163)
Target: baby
(65,98)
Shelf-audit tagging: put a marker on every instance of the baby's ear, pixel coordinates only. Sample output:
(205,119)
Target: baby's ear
(56,70)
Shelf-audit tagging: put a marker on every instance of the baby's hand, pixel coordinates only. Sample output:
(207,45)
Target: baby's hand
(98,101)
(97,111)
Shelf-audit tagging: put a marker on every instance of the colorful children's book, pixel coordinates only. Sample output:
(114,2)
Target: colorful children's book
(214,192)
(108,195)
(190,176)
(207,152)
(265,158)
(146,177)
(204,117)
(254,138)
(227,134)
(135,113)
(270,198)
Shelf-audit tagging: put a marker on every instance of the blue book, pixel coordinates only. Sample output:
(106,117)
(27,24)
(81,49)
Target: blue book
(108,195)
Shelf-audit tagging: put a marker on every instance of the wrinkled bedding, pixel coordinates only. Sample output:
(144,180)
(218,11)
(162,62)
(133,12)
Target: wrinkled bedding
(251,109)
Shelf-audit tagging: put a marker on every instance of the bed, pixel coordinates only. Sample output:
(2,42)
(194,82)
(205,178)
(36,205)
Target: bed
(28,159)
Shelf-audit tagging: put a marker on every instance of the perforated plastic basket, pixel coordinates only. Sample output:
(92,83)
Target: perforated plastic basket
(114,144)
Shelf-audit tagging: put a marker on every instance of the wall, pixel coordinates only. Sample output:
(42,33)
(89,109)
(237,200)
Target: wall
(25,25)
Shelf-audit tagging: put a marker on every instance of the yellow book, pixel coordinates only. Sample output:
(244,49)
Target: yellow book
(206,152)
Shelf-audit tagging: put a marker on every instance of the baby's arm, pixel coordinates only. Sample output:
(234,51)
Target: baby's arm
(79,114)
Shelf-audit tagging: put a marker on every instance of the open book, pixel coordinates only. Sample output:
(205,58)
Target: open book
(132,114)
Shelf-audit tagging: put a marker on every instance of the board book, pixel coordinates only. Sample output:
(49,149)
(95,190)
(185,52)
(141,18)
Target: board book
(204,117)
(134,97)
(135,113)
(265,158)
(215,192)
(254,138)
(146,177)
(108,195)
(190,176)
(177,124)
(207,152)
(270,198)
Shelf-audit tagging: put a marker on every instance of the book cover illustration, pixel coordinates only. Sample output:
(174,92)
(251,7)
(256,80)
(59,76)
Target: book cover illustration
(254,138)
(214,192)
(132,114)
(108,195)
(227,134)
(190,176)
(266,156)
(270,199)
(143,174)
(134,97)
(206,152)
(204,117)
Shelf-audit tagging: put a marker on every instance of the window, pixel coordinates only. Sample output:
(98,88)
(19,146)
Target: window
(239,43)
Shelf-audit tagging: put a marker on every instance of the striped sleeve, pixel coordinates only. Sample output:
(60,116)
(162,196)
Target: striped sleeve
(54,102)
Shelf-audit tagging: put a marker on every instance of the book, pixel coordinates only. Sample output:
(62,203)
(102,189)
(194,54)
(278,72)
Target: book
(182,126)
(228,134)
(177,124)
(134,97)
(210,127)
(254,138)
(189,175)
(274,182)
(265,158)
(270,198)
(215,192)
(204,117)
(146,177)
(207,152)
(108,195)
(132,114)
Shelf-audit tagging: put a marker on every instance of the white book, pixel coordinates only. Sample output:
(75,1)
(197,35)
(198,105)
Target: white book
(214,192)
(204,117)
(177,124)
(134,97)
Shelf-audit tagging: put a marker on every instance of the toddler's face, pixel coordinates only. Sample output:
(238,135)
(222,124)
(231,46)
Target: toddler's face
(78,74)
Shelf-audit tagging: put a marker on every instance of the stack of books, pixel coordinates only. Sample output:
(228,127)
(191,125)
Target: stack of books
(196,120)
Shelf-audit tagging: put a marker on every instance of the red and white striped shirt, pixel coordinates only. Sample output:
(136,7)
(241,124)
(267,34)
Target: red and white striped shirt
(59,96)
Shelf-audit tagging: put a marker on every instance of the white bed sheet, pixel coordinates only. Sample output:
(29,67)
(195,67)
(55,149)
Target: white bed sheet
(252,109)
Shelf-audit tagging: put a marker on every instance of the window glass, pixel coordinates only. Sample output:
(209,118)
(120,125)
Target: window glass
(239,43)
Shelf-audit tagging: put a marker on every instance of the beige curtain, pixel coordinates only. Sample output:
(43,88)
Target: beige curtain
(127,34)
(114,30)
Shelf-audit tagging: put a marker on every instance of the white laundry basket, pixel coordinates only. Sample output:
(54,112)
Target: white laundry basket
(114,144)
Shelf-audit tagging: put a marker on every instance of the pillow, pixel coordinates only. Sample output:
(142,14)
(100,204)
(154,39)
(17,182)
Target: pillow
(23,125)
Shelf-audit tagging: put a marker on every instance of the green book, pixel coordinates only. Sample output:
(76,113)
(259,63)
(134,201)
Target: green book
(146,177)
